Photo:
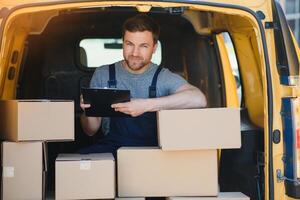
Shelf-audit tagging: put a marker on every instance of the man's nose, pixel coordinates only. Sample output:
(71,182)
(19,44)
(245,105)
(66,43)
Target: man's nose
(136,51)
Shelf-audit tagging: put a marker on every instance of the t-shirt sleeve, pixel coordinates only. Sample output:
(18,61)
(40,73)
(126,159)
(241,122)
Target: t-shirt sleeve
(97,78)
(171,82)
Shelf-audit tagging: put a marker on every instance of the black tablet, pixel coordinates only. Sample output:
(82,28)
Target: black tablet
(101,100)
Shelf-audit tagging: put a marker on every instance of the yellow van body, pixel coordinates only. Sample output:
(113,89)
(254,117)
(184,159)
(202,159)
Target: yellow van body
(249,23)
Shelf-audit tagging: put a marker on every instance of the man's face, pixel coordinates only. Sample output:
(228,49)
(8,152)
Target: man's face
(138,48)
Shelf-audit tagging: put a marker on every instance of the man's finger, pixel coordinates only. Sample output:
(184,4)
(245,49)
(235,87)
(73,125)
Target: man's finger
(114,105)
(123,110)
(85,105)
(119,105)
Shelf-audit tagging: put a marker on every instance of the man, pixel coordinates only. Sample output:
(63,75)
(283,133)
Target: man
(152,89)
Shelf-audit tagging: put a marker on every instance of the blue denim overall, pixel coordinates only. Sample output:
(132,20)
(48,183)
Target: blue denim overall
(128,131)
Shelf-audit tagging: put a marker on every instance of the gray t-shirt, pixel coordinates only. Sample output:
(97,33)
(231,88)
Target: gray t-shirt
(138,84)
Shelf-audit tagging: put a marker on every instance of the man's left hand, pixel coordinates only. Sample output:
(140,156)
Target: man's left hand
(135,107)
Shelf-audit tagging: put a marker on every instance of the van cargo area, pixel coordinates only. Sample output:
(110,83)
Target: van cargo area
(48,61)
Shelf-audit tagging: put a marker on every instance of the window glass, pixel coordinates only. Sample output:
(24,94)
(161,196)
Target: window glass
(233,63)
(290,6)
(292,12)
(95,52)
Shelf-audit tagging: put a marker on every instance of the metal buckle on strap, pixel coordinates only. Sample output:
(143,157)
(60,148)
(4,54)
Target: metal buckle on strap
(112,84)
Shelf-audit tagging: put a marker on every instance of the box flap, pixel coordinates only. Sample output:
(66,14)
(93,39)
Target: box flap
(78,157)
(196,110)
(42,100)
(141,148)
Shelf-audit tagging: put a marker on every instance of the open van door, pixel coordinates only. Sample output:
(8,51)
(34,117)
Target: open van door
(287,60)
(3,13)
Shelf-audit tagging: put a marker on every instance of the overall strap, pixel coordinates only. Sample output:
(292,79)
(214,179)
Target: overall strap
(112,82)
(152,88)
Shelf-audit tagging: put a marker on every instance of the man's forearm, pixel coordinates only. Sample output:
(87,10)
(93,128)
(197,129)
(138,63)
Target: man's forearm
(90,125)
(190,98)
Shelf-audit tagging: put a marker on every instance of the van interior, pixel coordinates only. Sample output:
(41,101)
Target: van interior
(54,57)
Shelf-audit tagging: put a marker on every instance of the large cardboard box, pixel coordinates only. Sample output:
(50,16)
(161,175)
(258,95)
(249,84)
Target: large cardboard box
(193,129)
(22,170)
(28,120)
(151,172)
(85,176)
(221,196)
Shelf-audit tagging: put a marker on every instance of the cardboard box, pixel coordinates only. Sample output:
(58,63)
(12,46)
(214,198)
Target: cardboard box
(85,176)
(151,172)
(28,120)
(22,170)
(195,129)
(221,196)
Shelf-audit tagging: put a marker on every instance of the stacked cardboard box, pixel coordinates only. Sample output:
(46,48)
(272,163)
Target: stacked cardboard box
(186,163)
(144,172)
(22,170)
(25,125)
(198,129)
(89,176)
(36,120)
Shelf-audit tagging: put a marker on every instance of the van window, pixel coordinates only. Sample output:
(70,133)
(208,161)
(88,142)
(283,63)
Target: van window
(95,52)
(286,55)
(233,63)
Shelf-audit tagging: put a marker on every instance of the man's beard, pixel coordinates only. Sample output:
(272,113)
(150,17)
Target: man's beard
(136,64)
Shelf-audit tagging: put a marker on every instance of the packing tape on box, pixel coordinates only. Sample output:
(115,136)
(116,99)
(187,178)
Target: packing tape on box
(85,165)
(8,172)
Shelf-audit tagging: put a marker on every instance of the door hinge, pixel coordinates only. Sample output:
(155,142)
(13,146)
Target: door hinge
(281,178)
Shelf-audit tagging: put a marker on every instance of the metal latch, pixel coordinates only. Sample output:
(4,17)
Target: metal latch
(176,10)
(281,177)
(271,25)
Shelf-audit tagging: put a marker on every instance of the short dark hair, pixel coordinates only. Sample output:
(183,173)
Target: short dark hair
(140,23)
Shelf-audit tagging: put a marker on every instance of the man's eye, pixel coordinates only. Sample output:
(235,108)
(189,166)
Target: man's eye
(145,46)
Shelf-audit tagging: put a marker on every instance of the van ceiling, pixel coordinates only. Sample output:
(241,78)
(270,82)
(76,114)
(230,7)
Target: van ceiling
(97,23)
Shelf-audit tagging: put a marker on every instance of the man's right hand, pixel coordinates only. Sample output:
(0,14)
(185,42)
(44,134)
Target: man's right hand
(90,125)
(83,106)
